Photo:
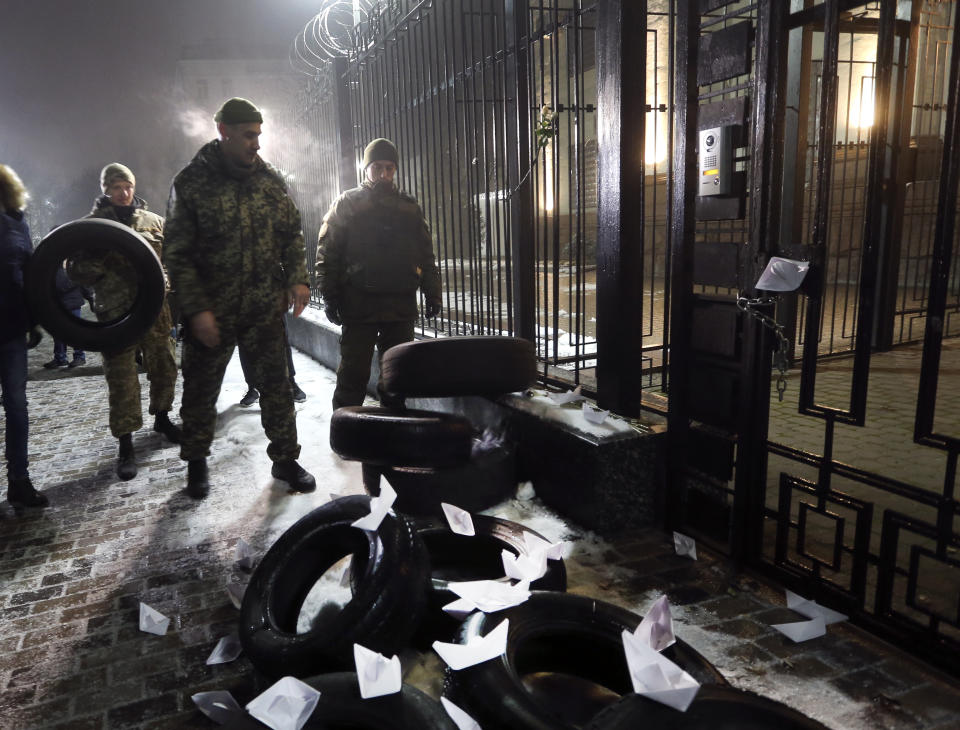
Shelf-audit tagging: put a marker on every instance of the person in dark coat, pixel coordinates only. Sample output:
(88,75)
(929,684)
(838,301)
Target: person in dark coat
(15,324)
(71,296)
(373,253)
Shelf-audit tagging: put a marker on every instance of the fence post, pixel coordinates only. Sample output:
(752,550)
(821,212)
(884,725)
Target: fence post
(621,124)
(521,203)
(348,160)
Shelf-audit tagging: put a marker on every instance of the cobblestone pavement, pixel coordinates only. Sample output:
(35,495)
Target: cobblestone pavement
(72,577)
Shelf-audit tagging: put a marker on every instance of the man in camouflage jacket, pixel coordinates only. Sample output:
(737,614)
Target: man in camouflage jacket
(234,251)
(374,252)
(113,282)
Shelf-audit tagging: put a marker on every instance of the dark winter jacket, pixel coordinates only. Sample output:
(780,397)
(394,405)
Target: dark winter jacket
(71,294)
(233,245)
(373,253)
(15,251)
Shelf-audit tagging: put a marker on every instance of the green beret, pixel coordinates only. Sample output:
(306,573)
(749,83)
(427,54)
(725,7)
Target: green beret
(380,149)
(113,172)
(238,111)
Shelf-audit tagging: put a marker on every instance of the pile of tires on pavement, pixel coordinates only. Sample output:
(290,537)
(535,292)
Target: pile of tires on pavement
(564,665)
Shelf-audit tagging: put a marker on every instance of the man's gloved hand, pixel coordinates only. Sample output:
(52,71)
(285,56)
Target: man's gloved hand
(33,337)
(433,309)
(333,314)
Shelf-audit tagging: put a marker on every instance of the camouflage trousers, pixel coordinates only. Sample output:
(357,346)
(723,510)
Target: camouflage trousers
(123,382)
(356,351)
(265,349)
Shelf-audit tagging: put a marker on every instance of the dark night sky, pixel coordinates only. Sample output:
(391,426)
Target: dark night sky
(86,82)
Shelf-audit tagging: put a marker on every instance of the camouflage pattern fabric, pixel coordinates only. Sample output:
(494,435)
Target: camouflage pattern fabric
(356,349)
(234,246)
(265,349)
(374,251)
(123,382)
(113,281)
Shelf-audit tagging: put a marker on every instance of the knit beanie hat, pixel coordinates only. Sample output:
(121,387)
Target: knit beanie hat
(238,111)
(113,172)
(380,149)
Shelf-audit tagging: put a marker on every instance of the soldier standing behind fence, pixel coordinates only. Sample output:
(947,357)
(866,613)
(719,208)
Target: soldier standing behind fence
(235,254)
(112,279)
(374,252)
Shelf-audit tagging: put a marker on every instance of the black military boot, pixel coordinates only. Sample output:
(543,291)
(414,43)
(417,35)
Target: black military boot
(126,459)
(162,424)
(299,479)
(198,485)
(20,493)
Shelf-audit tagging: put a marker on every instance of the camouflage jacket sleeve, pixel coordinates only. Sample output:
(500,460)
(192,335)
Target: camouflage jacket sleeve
(180,236)
(429,275)
(294,252)
(331,247)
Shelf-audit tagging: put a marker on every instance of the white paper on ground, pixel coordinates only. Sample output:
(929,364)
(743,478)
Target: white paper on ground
(594,415)
(656,677)
(460,521)
(812,609)
(226,650)
(685,545)
(461,719)
(152,621)
(285,705)
(571,396)
(236,591)
(656,629)
(379,506)
(491,595)
(783,274)
(461,608)
(219,706)
(553,550)
(376,674)
(524,567)
(525,492)
(803,630)
(244,555)
(479,649)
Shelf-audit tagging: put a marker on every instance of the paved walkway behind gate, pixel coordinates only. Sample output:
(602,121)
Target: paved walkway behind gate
(72,577)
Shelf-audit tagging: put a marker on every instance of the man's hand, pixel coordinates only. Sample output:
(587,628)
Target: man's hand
(203,326)
(433,309)
(33,337)
(298,298)
(333,314)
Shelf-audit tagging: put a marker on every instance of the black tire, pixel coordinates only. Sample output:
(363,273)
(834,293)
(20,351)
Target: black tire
(452,366)
(390,582)
(456,557)
(554,637)
(400,438)
(487,479)
(64,242)
(714,708)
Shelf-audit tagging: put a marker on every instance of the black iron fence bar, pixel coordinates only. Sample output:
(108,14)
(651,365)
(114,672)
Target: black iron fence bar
(943,239)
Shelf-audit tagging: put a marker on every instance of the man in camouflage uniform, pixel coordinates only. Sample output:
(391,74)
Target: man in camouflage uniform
(113,282)
(234,250)
(374,252)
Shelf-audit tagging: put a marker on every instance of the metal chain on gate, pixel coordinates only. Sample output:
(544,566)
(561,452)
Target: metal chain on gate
(781,358)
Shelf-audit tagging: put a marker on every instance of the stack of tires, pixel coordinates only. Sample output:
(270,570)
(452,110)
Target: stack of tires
(564,665)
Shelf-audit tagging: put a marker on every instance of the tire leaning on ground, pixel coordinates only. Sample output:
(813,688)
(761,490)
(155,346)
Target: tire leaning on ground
(390,582)
(487,479)
(714,708)
(455,366)
(400,438)
(456,557)
(64,242)
(564,662)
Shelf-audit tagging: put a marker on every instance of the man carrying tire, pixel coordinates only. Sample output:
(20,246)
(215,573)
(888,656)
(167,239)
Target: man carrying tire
(374,252)
(235,253)
(113,282)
